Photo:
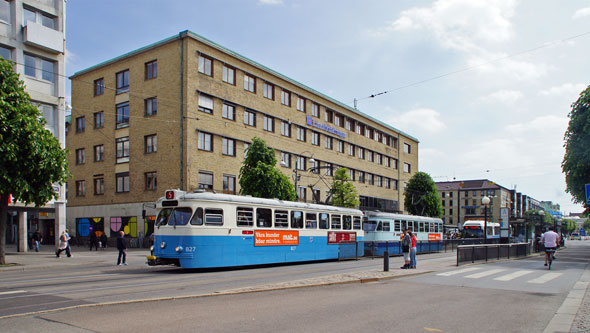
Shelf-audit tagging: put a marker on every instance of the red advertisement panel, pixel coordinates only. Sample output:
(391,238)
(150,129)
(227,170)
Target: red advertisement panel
(433,236)
(335,237)
(276,237)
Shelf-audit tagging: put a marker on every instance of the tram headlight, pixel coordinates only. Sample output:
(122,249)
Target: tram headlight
(179,249)
(151,248)
(163,245)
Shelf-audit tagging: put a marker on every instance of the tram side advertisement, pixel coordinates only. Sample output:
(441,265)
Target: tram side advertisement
(276,237)
(341,237)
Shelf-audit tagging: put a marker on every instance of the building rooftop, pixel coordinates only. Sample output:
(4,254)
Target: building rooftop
(476,184)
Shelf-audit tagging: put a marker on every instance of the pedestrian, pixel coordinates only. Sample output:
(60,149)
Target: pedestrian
(122,247)
(68,249)
(104,240)
(37,238)
(413,250)
(63,244)
(406,242)
(93,241)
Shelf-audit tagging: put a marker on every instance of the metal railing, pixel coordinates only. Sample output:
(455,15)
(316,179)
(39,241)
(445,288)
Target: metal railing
(480,252)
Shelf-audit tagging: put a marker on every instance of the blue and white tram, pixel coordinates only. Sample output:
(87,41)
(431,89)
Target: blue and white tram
(474,229)
(204,229)
(384,231)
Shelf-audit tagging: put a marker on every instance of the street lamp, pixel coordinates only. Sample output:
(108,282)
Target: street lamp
(296,169)
(485,201)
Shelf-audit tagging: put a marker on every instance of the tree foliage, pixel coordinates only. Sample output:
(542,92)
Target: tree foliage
(343,192)
(568,226)
(31,157)
(421,197)
(586,226)
(576,162)
(259,177)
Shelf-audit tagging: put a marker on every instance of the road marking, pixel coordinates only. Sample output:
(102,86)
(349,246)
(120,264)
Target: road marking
(512,276)
(464,270)
(545,278)
(12,292)
(486,273)
(433,329)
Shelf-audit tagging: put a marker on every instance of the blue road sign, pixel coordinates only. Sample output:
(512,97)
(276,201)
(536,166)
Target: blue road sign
(588,193)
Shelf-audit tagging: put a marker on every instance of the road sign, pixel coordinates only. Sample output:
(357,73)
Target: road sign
(588,193)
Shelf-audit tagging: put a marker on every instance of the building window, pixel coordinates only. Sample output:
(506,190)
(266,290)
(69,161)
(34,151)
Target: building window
(229,184)
(151,106)
(300,163)
(329,141)
(351,149)
(361,177)
(286,159)
(80,188)
(205,141)
(300,104)
(338,120)
(386,161)
(229,111)
(250,83)
(122,115)
(361,153)
(329,116)
(122,185)
(285,129)
(358,128)
(369,156)
(250,118)
(151,70)
(351,174)
(394,163)
(122,148)
(98,186)
(379,158)
(285,98)
(378,180)
(229,147)
(269,124)
(99,87)
(5,52)
(98,153)
(122,81)
(329,169)
(407,168)
(229,75)
(301,195)
(205,65)
(340,146)
(80,124)
(269,91)
(386,183)
(150,143)
(246,145)
(32,15)
(348,124)
(300,133)
(99,119)
(315,166)
(315,110)
(5,12)
(151,181)
(80,156)
(407,148)
(315,138)
(394,184)
(205,103)
(370,179)
(205,180)
(39,68)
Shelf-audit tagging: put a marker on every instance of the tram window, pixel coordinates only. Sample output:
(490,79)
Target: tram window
(281,219)
(198,217)
(346,222)
(263,217)
(245,216)
(311,220)
(369,225)
(426,227)
(336,219)
(324,221)
(386,226)
(163,216)
(356,223)
(296,219)
(213,216)
(380,226)
(180,216)
(397,225)
(421,226)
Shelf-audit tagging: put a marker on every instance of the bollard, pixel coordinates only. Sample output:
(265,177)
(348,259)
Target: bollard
(386,261)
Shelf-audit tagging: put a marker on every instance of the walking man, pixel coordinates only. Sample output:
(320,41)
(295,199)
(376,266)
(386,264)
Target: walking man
(406,242)
(37,238)
(122,247)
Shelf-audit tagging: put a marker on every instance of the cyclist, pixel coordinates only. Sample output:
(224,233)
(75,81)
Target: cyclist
(551,240)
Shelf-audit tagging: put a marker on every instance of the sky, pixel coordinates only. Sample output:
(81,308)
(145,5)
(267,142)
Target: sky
(486,86)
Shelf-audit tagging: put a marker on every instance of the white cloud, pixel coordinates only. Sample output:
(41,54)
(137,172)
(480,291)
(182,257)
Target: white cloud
(419,119)
(543,126)
(569,90)
(270,2)
(502,96)
(581,13)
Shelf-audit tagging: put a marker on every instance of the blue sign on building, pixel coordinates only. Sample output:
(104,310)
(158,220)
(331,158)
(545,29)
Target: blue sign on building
(588,193)
(314,123)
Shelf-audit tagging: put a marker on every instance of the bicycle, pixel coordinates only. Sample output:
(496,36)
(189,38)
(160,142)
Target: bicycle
(550,252)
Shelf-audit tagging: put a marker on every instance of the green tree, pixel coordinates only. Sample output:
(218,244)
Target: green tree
(421,197)
(31,158)
(343,192)
(259,177)
(586,226)
(576,161)
(568,226)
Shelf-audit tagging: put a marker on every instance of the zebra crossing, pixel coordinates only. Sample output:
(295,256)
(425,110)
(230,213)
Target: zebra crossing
(503,274)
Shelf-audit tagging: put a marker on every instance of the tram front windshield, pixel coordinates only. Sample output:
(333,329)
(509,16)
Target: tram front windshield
(472,232)
(174,216)
(369,225)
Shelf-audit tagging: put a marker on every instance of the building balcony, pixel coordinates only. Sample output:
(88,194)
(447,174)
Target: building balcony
(37,35)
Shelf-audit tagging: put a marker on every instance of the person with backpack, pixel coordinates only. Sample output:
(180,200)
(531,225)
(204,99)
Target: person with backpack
(406,243)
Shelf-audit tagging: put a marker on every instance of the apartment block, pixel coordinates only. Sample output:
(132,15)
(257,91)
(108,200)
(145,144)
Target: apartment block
(180,113)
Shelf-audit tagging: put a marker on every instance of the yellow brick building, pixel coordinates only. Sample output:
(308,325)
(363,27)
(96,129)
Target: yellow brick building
(180,113)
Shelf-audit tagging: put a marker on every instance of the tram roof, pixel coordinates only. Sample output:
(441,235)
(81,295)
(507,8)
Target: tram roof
(210,196)
(400,216)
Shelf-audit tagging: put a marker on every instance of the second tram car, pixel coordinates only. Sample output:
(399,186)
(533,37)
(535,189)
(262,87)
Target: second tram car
(205,230)
(474,229)
(383,231)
